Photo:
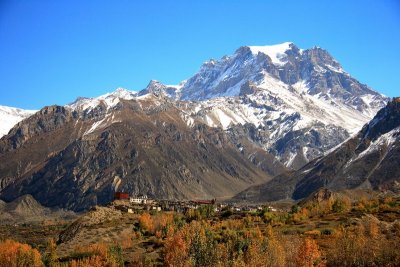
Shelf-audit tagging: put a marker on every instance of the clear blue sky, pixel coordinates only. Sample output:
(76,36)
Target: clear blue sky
(52,51)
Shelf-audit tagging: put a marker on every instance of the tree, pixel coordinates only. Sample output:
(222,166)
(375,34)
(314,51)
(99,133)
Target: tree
(275,252)
(176,250)
(50,256)
(15,254)
(146,222)
(309,254)
(341,205)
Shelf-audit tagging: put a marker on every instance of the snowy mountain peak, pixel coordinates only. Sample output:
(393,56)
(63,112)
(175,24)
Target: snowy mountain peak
(109,100)
(283,63)
(122,93)
(121,90)
(155,85)
(159,89)
(275,52)
(288,94)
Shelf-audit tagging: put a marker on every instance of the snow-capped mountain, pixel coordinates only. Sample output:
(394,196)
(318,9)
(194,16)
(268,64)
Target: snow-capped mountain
(106,101)
(295,103)
(300,101)
(10,116)
(368,160)
(285,62)
(272,107)
(157,88)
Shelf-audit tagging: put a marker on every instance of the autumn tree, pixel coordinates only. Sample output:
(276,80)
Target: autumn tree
(98,255)
(341,205)
(146,222)
(176,250)
(50,256)
(308,254)
(15,254)
(274,250)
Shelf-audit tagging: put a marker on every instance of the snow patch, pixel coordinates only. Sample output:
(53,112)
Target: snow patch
(290,160)
(109,100)
(385,140)
(275,52)
(106,121)
(10,116)
(335,69)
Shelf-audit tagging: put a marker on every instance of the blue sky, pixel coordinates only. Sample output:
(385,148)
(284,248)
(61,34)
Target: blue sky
(54,51)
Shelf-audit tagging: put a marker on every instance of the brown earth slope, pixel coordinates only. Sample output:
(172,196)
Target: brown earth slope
(77,159)
(25,209)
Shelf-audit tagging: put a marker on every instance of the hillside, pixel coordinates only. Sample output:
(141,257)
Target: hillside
(25,209)
(76,160)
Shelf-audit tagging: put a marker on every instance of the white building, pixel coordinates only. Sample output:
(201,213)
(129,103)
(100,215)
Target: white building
(138,199)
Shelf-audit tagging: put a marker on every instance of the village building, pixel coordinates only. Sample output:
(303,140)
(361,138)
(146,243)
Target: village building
(142,199)
(121,196)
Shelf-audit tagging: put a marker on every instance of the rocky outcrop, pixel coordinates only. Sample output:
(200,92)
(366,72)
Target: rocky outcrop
(26,209)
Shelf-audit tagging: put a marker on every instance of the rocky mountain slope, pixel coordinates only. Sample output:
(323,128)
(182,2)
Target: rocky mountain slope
(368,160)
(26,209)
(10,116)
(298,103)
(77,156)
(293,103)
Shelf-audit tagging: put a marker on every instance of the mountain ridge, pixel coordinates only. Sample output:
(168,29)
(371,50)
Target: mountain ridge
(237,122)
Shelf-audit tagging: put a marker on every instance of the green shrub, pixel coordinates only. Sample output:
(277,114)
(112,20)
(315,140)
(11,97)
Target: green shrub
(327,231)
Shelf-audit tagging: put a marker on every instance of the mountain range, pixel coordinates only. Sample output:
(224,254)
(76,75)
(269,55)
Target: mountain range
(264,111)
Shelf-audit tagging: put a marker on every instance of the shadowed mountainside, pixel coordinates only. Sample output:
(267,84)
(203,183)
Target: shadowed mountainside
(369,160)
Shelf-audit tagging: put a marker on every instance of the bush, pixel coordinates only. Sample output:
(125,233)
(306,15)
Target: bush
(313,233)
(341,205)
(327,231)
(97,255)
(226,213)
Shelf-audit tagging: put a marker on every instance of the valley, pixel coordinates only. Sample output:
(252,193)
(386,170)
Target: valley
(319,230)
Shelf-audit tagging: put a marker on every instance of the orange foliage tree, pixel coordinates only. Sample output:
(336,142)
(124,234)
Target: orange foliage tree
(176,250)
(309,254)
(146,222)
(13,254)
(156,224)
